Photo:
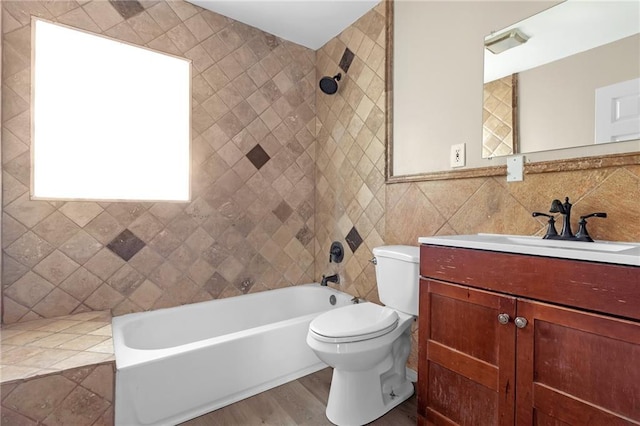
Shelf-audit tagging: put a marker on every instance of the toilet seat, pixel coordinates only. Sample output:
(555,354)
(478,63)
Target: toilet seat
(354,323)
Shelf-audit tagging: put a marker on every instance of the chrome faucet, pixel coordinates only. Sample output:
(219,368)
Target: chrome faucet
(330,279)
(564,209)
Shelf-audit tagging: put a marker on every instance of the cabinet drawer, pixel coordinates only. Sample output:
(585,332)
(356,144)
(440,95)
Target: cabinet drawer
(606,288)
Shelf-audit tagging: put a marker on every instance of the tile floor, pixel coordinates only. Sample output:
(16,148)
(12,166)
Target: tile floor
(39,347)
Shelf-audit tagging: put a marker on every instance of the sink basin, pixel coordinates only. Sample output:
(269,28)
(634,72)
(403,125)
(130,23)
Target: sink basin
(598,251)
(572,245)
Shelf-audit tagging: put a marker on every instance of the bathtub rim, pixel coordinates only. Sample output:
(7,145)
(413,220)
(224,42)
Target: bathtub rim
(132,357)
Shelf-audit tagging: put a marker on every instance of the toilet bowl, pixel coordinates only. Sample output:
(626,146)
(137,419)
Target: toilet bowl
(368,345)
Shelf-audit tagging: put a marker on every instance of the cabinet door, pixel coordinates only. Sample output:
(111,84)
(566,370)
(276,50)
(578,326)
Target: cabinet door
(576,368)
(466,357)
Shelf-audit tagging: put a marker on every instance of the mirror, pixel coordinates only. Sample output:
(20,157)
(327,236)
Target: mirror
(566,84)
(435,94)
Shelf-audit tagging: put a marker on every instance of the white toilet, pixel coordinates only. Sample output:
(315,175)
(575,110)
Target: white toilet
(368,345)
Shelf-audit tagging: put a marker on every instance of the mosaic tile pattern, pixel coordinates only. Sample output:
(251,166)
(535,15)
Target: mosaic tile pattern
(250,224)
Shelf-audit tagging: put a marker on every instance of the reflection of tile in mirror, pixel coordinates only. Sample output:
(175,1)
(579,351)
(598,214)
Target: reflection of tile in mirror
(498,126)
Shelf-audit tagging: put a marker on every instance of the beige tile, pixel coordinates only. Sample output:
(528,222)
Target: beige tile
(145,26)
(199,27)
(102,331)
(85,327)
(146,295)
(56,267)
(164,16)
(48,357)
(123,31)
(82,359)
(56,303)
(81,284)
(105,347)
(103,14)
(82,343)
(29,289)
(53,340)
(80,19)
(20,351)
(81,212)
(56,228)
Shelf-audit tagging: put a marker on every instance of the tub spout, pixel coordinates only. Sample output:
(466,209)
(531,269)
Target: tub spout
(331,278)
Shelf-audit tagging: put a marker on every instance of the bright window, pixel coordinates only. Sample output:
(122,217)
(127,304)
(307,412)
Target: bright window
(111,121)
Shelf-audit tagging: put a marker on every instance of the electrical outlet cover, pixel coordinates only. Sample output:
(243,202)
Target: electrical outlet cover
(457,155)
(515,166)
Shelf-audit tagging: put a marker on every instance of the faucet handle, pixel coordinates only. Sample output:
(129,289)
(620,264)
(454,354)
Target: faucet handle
(551,229)
(583,234)
(600,214)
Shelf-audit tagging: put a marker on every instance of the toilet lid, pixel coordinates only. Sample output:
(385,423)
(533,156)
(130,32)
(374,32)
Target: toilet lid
(354,323)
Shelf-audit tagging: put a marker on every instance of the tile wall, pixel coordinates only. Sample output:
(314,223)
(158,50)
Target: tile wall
(272,213)
(250,224)
(350,188)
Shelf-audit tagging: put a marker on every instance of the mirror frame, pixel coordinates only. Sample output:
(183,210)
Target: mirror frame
(562,165)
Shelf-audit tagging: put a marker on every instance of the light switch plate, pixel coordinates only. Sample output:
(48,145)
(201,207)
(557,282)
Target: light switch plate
(515,166)
(457,155)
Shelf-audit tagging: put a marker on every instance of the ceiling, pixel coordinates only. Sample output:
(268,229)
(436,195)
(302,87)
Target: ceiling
(310,23)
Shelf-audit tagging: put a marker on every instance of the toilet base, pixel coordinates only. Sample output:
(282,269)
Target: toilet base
(357,398)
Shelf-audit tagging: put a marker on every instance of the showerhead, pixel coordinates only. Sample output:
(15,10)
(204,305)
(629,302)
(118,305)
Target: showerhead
(329,85)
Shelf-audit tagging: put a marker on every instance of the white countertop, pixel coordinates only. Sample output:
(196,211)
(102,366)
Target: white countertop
(621,253)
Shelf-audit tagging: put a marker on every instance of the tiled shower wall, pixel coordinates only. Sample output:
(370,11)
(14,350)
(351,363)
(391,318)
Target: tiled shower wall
(250,224)
(351,202)
(350,188)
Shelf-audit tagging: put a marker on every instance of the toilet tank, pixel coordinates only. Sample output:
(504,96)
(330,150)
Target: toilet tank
(398,277)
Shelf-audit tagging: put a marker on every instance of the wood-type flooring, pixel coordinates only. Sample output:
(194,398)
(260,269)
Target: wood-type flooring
(300,402)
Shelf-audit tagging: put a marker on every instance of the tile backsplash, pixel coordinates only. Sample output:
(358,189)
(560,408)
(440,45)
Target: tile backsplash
(250,223)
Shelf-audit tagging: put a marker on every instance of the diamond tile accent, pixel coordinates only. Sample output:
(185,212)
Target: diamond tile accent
(354,239)
(283,211)
(345,61)
(258,156)
(126,245)
(127,8)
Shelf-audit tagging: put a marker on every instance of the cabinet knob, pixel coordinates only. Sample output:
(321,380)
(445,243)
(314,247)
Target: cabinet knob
(503,318)
(520,322)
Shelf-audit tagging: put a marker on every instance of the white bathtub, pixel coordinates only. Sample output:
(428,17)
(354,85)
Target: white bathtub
(178,363)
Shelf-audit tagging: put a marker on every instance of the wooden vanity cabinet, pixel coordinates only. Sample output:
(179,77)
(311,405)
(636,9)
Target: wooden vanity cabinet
(549,362)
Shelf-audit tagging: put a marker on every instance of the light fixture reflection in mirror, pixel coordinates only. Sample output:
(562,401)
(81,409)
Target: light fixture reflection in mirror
(562,67)
(505,41)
